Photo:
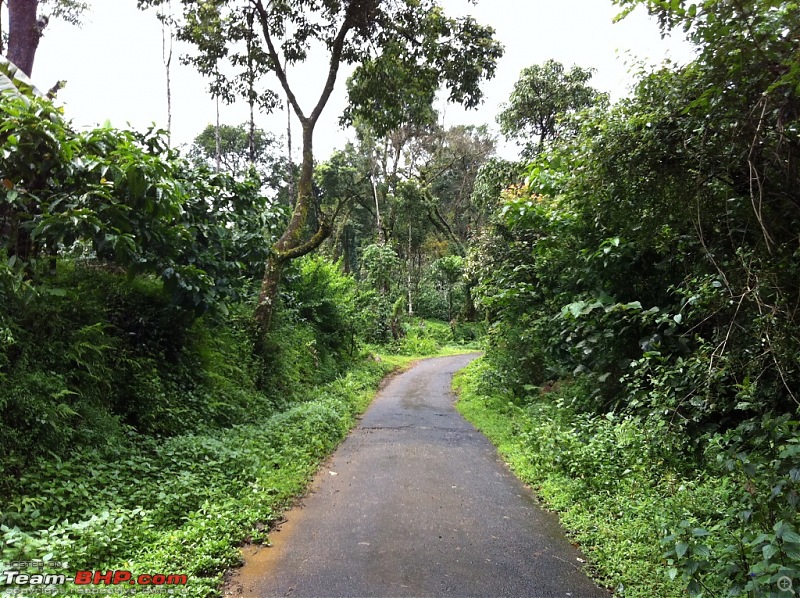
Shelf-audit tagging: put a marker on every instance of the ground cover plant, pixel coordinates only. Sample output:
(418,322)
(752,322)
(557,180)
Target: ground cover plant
(183,504)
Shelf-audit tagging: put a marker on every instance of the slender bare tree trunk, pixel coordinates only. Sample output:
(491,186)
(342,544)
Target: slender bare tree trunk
(378,221)
(410,268)
(2,49)
(251,137)
(289,149)
(217,142)
(166,56)
(24,33)
(251,98)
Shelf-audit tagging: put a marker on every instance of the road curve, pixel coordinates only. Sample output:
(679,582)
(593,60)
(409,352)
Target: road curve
(416,502)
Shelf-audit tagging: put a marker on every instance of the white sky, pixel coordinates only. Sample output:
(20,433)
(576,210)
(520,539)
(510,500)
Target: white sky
(114,70)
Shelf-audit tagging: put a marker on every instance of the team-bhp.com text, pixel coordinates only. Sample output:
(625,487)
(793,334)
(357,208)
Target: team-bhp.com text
(85,578)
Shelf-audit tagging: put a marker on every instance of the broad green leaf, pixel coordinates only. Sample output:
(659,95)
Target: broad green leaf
(681,548)
(15,82)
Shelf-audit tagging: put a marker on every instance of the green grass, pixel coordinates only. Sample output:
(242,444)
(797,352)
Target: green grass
(184,504)
(613,491)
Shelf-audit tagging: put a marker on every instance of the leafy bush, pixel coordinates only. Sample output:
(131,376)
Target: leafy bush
(125,198)
(324,297)
(754,541)
(416,342)
(108,352)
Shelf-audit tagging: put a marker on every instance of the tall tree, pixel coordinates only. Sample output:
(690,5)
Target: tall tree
(241,151)
(541,97)
(418,193)
(447,165)
(27,20)
(385,38)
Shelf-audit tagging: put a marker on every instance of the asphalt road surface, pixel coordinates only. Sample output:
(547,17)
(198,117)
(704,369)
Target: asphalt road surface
(416,502)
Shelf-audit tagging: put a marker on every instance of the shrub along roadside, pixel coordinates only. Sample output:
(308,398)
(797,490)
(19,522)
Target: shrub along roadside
(607,477)
(183,505)
(433,337)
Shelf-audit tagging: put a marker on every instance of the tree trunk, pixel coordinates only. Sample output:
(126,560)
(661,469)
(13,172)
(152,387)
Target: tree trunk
(217,141)
(469,309)
(251,92)
(292,236)
(166,55)
(378,221)
(251,136)
(410,267)
(450,305)
(292,245)
(269,291)
(24,33)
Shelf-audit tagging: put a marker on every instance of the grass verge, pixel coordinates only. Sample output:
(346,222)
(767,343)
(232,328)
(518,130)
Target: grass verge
(614,494)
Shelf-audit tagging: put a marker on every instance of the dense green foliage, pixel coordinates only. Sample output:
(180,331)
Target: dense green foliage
(651,263)
(124,199)
(637,273)
(409,219)
(146,422)
(543,97)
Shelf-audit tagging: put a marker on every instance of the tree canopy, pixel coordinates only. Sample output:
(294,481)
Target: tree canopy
(388,41)
(543,97)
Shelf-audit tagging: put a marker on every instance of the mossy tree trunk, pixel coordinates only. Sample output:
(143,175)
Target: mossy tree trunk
(294,243)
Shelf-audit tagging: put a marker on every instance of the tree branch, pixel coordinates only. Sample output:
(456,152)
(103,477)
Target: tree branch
(336,58)
(447,230)
(323,232)
(364,204)
(263,18)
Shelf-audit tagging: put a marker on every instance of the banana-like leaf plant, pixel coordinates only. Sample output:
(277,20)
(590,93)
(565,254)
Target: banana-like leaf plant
(14,81)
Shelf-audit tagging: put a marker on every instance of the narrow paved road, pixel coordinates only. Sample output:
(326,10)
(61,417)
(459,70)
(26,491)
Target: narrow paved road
(416,502)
